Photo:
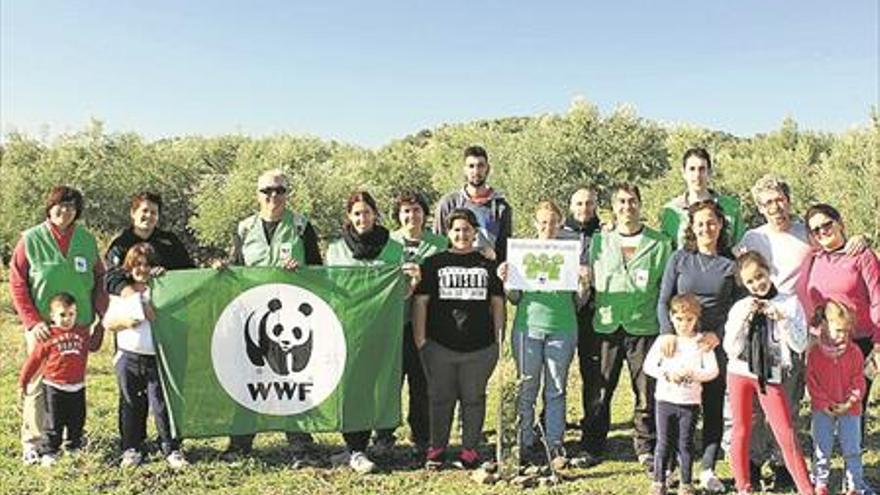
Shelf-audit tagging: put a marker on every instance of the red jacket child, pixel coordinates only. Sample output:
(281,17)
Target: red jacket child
(63,357)
(834,377)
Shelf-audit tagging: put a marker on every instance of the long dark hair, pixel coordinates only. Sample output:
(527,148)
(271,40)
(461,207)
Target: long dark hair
(690,239)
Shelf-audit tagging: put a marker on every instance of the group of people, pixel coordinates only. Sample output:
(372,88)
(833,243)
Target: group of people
(707,315)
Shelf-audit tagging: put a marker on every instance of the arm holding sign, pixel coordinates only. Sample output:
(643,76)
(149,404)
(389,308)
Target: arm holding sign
(513,295)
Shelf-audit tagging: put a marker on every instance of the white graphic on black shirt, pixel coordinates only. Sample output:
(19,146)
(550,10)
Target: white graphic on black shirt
(463,284)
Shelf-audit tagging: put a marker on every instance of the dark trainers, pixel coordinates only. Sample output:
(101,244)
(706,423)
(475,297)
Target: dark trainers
(782,481)
(468,459)
(434,458)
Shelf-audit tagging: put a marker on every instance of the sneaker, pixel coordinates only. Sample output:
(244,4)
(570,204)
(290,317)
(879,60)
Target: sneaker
(176,460)
(360,463)
(558,458)
(782,481)
(686,489)
(647,462)
(131,458)
(468,459)
(382,444)
(234,454)
(48,460)
(532,456)
(30,457)
(710,483)
(590,459)
(755,474)
(299,442)
(340,459)
(434,459)
(657,488)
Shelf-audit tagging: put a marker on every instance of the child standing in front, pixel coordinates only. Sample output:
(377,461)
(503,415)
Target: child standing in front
(761,332)
(137,371)
(836,381)
(63,357)
(679,391)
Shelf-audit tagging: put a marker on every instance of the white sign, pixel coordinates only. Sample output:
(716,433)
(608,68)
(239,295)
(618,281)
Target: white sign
(538,265)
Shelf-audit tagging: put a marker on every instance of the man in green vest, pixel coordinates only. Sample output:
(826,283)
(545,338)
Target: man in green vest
(696,168)
(275,236)
(627,266)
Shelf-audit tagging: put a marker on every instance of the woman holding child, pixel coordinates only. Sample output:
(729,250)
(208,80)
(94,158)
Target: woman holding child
(58,255)
(704,268)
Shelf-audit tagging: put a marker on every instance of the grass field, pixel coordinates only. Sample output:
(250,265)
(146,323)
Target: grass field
(95,471)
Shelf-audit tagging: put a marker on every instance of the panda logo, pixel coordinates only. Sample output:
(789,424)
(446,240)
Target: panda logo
(284,338)
(278,349)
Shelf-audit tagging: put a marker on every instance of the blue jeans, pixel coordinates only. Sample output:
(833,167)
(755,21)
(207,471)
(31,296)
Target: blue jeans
(849,433)
(548,354)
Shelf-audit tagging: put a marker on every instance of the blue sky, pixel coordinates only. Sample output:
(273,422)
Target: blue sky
(370,72)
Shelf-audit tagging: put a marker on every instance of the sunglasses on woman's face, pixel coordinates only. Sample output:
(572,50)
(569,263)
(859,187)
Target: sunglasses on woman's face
(278,190)
(822,227)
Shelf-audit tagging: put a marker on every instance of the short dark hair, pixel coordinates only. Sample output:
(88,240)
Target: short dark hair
(139,250)
(462,214)
(824,208)
(627,187)
(690,239)
(63,298)
(65,194)
(476,151)
(698,152)
(142,196)
(409,197)
(748,258)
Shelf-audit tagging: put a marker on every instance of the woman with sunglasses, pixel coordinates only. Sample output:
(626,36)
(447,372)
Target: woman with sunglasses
(853,280)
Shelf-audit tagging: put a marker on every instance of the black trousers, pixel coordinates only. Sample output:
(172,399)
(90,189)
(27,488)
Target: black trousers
(675,431)
(613,350)
(417,418)
(140,392)
(713,413)
(588,363)
(64,410)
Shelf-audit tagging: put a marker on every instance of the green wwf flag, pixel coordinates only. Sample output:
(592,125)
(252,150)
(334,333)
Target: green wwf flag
(259,349)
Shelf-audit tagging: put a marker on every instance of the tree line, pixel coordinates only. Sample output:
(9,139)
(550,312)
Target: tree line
(207,183)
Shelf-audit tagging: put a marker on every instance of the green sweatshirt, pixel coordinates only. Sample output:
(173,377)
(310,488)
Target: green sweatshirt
(627,292)
(674,218)
(549,312)
(338,254)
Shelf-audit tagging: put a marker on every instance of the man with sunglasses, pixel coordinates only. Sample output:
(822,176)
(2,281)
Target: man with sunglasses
(275,236)
(784,242)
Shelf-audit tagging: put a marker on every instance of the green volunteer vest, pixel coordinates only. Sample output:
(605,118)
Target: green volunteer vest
(431,244)
(549,312)
(338,254)
(674,219)
(52,272)
(286,241)
(627,293)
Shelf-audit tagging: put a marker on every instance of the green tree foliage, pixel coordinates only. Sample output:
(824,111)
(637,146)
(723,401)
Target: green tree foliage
(208,184)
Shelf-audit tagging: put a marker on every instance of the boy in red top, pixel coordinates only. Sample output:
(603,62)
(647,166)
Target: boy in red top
(63,358)
(836,381)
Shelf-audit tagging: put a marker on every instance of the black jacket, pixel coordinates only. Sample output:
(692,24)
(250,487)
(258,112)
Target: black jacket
(170,254)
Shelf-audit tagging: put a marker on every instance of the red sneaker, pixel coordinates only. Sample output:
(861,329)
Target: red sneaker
(468,459)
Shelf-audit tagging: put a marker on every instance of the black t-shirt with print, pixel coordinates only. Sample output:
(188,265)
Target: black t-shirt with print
(461,287)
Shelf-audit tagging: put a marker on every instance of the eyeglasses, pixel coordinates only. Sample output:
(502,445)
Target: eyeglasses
(780,200)
(278,190)
(822,227)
